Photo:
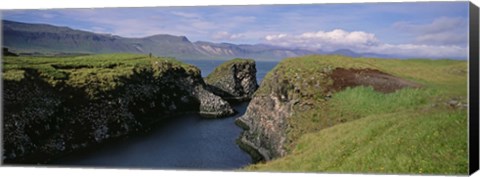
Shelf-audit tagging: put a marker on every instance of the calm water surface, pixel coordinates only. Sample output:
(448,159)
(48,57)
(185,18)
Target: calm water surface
(188,142)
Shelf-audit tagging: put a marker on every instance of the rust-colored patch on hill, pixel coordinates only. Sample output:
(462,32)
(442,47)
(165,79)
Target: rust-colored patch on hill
(380,81)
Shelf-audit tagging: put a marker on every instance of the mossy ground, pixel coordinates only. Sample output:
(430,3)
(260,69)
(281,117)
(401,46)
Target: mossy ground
(359,130)
(95,73)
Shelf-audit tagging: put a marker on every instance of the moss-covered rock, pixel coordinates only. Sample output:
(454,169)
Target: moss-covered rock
(45,116)
(299,85)
(234,79)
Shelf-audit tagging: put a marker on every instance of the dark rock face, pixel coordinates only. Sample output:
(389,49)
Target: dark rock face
(265,123)
(265,127)
(42,121)
(212,105)
(234,80)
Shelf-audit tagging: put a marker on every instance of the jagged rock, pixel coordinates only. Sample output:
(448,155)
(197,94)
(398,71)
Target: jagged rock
(42,121)
(212,105)
(234,80)
(265,127)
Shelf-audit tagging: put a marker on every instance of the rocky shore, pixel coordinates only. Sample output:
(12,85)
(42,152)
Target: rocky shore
(43,120)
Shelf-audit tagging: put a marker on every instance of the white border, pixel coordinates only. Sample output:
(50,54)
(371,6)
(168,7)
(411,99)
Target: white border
(48,4)
(74,172)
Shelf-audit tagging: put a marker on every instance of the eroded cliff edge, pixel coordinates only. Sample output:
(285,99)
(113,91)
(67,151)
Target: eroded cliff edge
(298,85)
(234,80)
(54,108)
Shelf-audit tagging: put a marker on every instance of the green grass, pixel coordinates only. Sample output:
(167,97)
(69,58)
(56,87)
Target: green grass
(436,73)
(359,130)
(95,73)
(431,142)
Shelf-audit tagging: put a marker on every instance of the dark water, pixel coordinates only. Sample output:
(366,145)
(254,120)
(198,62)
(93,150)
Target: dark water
(187,142)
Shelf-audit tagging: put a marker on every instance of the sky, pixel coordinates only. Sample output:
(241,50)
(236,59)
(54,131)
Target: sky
(418,29)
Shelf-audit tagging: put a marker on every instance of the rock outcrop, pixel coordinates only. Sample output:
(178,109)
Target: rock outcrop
(265,127)
(265,121)
(42,120)
(295,86)
(234,80)
(6,52)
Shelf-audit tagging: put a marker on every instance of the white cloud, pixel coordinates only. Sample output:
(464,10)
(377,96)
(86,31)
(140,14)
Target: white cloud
(441,24)
(177,22)
(420,50)
(186,15)
(441,31)
(48,15)
(275,37)
(126,25)
(326,40)
(97,29)
(442,38)
(223,35)
(362,42)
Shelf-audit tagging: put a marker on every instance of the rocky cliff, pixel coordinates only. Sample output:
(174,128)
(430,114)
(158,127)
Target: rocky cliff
(46,115)
(295,86)
(234,80)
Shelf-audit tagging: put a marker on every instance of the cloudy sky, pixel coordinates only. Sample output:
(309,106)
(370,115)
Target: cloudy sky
(425,29)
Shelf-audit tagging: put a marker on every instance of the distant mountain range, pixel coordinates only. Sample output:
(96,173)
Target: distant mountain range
(29,38)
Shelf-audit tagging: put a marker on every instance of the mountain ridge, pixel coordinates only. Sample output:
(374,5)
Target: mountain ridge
(39,38)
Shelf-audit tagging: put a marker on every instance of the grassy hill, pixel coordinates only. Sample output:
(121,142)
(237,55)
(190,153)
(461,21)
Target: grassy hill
(360,130)
(44,39)
(94,73)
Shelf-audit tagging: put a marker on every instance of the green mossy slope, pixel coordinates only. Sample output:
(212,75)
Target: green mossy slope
(360,130)
(94,73)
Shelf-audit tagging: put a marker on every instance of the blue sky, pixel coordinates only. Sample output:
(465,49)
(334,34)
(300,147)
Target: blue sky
(426,29)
